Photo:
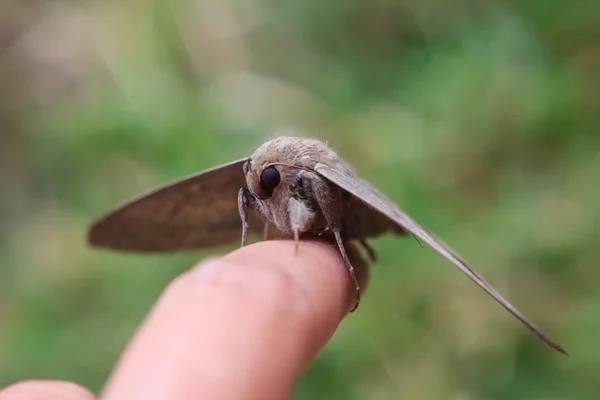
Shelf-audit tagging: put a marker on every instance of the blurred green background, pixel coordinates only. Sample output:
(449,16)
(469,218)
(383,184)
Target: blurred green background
(480,118)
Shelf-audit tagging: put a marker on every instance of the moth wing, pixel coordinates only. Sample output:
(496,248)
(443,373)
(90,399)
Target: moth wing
(197,211)
(369,195)
(370,222)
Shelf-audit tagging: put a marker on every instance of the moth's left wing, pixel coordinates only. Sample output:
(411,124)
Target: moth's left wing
(194,212)
(379,202)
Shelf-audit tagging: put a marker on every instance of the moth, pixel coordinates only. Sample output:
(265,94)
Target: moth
(300,186)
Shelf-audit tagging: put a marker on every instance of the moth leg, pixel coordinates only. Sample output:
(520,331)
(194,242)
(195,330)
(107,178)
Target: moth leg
(266,231)
(369,249)
(340,245)
(301,219)
(331,205)
(245,201)
(361,238)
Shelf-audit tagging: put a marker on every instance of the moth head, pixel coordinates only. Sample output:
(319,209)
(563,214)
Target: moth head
(263,179)
(266,174)
(276,164)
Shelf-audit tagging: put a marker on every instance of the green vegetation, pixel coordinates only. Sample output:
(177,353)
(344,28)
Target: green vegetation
(481,119)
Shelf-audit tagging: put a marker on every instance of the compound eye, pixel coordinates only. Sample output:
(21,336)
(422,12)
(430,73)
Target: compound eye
(269,179)
(245,168)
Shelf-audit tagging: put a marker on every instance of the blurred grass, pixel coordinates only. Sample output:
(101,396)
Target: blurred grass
(479,118)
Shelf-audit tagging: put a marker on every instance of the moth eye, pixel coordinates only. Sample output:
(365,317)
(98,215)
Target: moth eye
(269,179)
(245,168)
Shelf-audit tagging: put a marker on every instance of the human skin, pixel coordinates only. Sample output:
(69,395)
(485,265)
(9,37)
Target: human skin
(242,326)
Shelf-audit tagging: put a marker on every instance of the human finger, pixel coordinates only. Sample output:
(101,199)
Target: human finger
(242,326)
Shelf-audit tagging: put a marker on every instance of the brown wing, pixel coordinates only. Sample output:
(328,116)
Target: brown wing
(361,221)
(372,197)
(194,212)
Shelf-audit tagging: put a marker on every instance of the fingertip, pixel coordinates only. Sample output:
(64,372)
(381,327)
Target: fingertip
(45,390)
(246,323)
(315,277)
(317,269)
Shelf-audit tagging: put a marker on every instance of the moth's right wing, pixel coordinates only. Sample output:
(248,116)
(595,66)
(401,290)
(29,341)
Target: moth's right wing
(197,211)
(379,203)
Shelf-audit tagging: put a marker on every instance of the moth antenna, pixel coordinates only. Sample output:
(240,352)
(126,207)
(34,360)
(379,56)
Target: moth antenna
(342,249)
(291,166)
(418,241)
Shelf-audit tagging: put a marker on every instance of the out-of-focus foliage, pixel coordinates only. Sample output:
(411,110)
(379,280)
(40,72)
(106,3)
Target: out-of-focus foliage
(481,118)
